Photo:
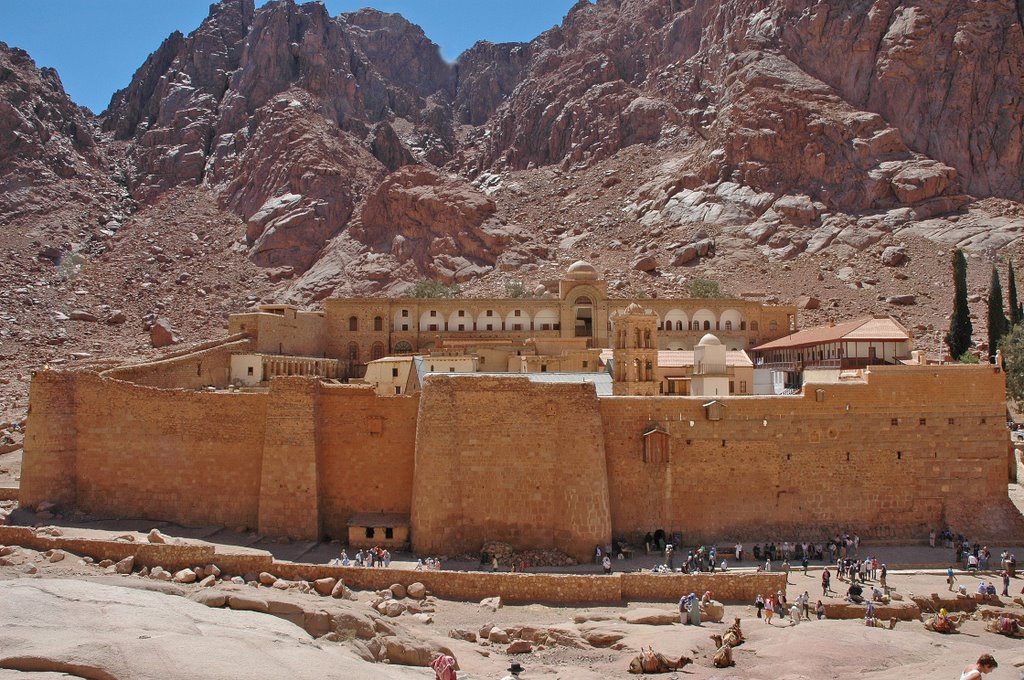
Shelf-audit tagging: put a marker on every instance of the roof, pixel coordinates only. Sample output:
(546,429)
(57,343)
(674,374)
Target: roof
(866,329)
(678,358)
(378,519)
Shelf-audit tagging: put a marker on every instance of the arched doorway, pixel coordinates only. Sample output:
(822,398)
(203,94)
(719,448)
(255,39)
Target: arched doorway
(583,315)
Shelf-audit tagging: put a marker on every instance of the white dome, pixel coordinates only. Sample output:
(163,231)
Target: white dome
(581,271)
(709,339)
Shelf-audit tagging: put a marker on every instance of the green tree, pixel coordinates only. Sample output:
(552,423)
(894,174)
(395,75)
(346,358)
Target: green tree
(958,339)
(1013,363)
(704,288)
(997,323)
(516,289)
(1015,309)
(428,288)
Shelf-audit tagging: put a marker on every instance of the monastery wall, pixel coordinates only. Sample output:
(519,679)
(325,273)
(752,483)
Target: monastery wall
(199,366)
(894,456)
(367,446)
(507,459)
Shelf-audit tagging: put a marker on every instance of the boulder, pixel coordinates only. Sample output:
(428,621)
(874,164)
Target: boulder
(397,591)
(902,300)
(208,581)
(713,611)
(82,315)
(156,537)
(267,579)
(602,637)
(492,603)
(807,302)
(57,555)
(338,591)
(498,636)
(211,598)
(684,255)
(650,616)
(116,317)
(519,647)
(393,608)
(161,334)
(409,652)
(423,617)
(416,590)
(893,256)
(462,634)
(324,586)
(184,576)
(248,602)
(645,263)
(125,566)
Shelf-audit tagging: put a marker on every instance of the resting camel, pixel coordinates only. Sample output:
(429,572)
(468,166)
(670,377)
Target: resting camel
(1004,625)
(880,623)
(944,624)
(649,661)
(733,637)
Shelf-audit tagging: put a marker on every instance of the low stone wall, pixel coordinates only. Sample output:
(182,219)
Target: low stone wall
(521,588)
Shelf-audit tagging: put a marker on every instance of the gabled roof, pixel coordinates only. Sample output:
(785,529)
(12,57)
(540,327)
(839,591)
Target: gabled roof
(868,328)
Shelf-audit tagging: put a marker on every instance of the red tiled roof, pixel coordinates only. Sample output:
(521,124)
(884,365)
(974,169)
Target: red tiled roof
(885,329)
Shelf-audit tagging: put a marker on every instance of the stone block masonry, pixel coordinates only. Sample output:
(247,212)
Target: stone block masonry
(477,458)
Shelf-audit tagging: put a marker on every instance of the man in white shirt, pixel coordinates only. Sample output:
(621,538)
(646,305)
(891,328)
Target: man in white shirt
(513,671)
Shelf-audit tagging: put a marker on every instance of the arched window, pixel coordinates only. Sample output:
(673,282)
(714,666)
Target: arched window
(707,325)
(353,323)
(378,323)
(353,352)
(402,347)
(679,325)
(378,350)
(728,325)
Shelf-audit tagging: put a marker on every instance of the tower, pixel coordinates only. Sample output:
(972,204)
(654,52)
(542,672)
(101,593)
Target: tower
(635,352)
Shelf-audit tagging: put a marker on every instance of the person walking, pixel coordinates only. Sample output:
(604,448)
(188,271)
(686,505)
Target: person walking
(769,610)
(950,578)
(606,562)
(759,604)
(1006,583)
(826,582)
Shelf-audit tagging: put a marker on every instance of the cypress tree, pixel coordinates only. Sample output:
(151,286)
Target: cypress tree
(960,329)
(997,323)
(1011,292)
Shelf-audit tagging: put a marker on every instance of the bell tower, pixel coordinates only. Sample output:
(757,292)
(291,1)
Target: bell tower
(635,352)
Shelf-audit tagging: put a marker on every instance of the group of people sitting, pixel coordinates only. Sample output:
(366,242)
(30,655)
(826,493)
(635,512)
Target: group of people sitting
(368,557)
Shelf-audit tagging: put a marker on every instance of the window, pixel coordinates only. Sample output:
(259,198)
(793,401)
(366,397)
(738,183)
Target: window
(899,455)
(389,533)
(398,390)
(433,327)
(922,421)
(405,326)
(517,326)
(405,313)
(462,313)
(743,325)
(394,372)
(490,312)
(490,327)
(369,532)
(543,368)
(433,312)
(952,421)
(462,326)
(586,364)
(451,369)
(431,367)
(378,323)
(378,350)
(353,323)
(894,422)
(707,325)
(728,325)
(545,326)
(743,387)
(984,420)
(517,313)
(248,370)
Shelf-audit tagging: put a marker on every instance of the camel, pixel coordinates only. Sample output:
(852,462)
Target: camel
(649,661)
(1004,625)
(723,657)
(944,624)
(880,623)
(733,637)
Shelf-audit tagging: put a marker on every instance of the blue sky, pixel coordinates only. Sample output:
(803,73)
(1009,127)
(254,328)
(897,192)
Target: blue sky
(96,45)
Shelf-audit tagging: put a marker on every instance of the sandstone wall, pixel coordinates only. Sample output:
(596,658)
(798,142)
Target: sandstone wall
(190,457)
(208,364)
(507,459)
(904,452)
(367,446)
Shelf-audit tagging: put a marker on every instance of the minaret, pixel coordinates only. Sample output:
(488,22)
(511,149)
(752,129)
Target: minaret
(635,353)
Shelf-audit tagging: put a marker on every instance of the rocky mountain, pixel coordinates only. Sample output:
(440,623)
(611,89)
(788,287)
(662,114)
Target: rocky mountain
(284,154)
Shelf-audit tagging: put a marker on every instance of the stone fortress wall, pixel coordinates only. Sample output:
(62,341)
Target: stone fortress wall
(474,458)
